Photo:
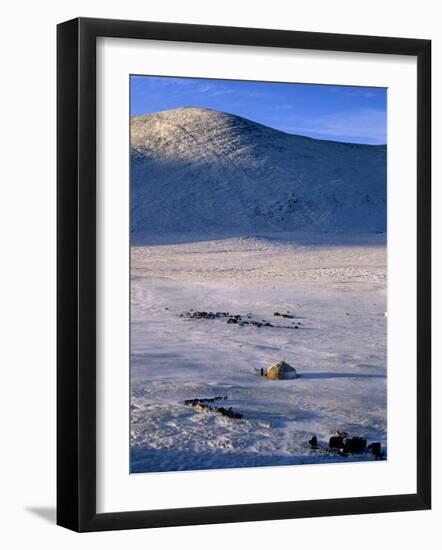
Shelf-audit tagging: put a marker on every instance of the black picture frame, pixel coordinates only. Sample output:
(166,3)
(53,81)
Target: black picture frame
(77,287)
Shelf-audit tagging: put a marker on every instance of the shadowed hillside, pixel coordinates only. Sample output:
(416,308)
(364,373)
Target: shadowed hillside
(199,170)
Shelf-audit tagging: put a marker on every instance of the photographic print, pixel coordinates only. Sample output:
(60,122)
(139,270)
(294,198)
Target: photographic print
(258,274)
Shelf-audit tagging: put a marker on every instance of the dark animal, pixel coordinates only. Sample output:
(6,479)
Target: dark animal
(227,412)
(196,401)
(355,445)
(374,447)
(376,450)
(336,442)
(313,442)
(200,315)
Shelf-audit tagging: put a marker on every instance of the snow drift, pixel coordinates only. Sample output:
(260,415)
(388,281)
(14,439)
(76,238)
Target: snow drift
(199,170)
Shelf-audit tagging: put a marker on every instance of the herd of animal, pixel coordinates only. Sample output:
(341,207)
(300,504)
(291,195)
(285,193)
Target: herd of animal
(345,445)
(340,443)
(201,405)
(242,320)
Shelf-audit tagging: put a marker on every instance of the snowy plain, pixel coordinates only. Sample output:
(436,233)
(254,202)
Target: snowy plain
(335,287)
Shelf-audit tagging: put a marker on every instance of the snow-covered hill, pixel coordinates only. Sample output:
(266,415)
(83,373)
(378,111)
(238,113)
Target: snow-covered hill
(199,170)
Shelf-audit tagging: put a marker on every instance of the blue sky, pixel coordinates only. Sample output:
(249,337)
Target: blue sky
(339,113)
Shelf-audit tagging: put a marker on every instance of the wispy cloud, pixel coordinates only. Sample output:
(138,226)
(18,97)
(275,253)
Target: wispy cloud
(226,91)
(364,125)
(353,92)
(206,88)
(181,88)
(282,107)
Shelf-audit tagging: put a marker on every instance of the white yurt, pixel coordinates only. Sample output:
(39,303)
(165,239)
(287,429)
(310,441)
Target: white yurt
(281,371)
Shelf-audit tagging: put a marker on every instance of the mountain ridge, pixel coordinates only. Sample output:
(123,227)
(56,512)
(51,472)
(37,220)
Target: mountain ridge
(189,108)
